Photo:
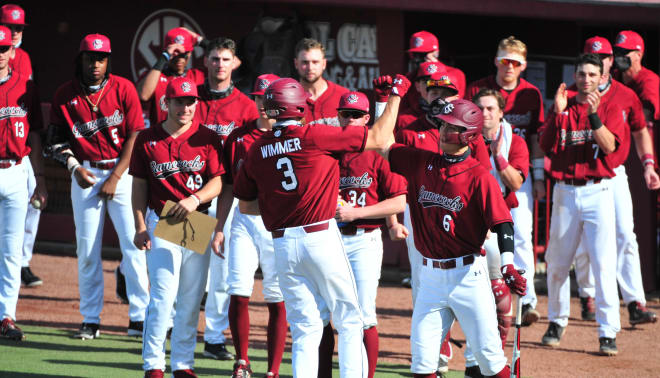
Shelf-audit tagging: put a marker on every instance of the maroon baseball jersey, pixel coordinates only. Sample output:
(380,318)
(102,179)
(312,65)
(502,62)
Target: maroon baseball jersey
(236,147)
(524,104)
(20,113)
(519,159)
(424,135)
(411,100)
(567,139)
(406,117)
(97,135)
(647,86)
(323,110)
(157,107)
(21,63)
(366,179)
(633,113)
(223,115)
(177,167)
(452,206)
(294,174)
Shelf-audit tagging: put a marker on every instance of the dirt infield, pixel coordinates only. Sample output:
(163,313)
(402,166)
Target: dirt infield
(55,304)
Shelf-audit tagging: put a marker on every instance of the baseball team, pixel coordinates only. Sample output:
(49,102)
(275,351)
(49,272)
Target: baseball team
(302,177)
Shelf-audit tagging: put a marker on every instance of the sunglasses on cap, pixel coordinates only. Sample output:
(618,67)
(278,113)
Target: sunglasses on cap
(506,62)
(438,83)
(355,114)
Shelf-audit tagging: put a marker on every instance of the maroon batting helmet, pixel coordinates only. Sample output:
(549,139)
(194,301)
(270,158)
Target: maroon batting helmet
(285,98)
(465,114)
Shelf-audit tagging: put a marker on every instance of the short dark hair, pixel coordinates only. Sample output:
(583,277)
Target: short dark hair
(220,43)
(307,44)
(589,58)
(485,92)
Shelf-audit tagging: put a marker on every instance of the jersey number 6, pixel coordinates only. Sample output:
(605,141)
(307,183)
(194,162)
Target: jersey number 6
(290,183)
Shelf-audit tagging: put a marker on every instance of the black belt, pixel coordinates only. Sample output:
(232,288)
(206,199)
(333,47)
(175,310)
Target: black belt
(352,230)
(449,264)
(105,165)
(581,182)
(308,229)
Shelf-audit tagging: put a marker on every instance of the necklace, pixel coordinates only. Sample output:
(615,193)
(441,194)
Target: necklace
(95,107)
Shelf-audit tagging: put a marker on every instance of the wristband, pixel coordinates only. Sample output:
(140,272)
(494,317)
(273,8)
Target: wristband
(500,162)
(506,258)
(162,61)
(73,170)
(194,196)
(647,159)
(595,122)
(72,163)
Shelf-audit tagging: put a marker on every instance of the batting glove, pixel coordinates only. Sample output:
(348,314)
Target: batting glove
(382,88)
(513,279)
(400,85)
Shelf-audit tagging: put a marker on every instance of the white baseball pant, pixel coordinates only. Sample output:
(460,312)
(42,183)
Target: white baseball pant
(13,206)
(414,256)
(174,273)
(313,270)
(251,246)
(577,212)
(629,273)
(216,310)
(365,254)
(32,216)
(89,211)
(523,220)
(462,293)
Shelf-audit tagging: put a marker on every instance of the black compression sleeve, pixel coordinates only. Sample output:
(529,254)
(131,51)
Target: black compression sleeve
(504,236)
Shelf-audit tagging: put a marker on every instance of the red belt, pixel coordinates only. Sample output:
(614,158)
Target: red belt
(308,229)
(8,163)
(105,165)
(581,182)
(449,264)
(352,230)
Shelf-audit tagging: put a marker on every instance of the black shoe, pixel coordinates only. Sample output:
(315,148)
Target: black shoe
(217,351)
(202,304)
(407,282)
(639,314)
(29,279)
(120,288)
(9,330)
(473,372)
(87,331)
(607,346)
(529,315)
(553,334)
(588,308)
(135,328)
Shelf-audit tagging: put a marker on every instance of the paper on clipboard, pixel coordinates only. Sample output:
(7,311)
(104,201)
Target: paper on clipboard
(193,233)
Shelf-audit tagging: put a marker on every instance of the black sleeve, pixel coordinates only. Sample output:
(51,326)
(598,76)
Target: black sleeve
(57,144)
(504,236)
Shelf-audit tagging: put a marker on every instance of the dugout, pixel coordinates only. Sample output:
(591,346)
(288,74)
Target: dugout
(364,38)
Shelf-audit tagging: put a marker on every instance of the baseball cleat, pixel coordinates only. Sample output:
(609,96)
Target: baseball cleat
(529,315)
(217,351)
(87,331)
(588,308)
(241,370)
(607,346)
(186,373)
(135,328)
(553,334)
(9,330)
(120,286)
(270,374)
(29,279)
(473,372)
(407,282)
(639,314)
(154,373)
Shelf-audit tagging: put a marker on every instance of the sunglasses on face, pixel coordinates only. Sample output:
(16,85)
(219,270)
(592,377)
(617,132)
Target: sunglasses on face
(506,62)
(14,28)
(4,49)
(351,114)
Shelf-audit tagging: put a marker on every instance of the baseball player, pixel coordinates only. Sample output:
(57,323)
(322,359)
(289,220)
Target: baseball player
(172,62)
(13,17)
(510,161)
(293,173)
(221,108)
(176,160)
(250,247)
(455,202)
(629,274)
(21,121)
(94,121)
(323,94)
(580,137)
(524,112)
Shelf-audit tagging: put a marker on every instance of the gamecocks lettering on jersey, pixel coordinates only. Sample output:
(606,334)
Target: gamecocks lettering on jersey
(330,121)
(575,137)
(363,181)
(13,111)
(223,130)
(430,199)
(279,148)
(519,119)
(88,129)
(164,170)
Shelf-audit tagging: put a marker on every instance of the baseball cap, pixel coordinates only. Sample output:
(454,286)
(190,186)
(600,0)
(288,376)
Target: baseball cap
(180,36)
(428,69)
(95,43)
(12,14)
(629,40)
(354,101)
(423,42)
(181,87)
(262,83)
(5,36)
(440,80)
(597,45)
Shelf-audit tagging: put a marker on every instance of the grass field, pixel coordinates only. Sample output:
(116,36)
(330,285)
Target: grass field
(49,352)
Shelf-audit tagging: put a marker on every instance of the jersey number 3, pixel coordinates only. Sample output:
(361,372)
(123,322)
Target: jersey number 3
(290,181)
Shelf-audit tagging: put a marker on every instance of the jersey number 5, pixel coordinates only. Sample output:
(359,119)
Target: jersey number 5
(290,182)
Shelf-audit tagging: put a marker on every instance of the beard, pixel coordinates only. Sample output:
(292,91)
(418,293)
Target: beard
(312,80)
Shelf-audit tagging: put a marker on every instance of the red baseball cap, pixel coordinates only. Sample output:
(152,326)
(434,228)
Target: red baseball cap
(423,41)
(597,45)
(429,68)
(441,80)
(181,87)
(12,14)
(180,36)
(5,36)
(629,40)
(354,101)
(95,43)
(262,83)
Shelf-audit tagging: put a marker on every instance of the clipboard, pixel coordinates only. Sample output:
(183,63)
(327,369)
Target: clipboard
(193,233)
